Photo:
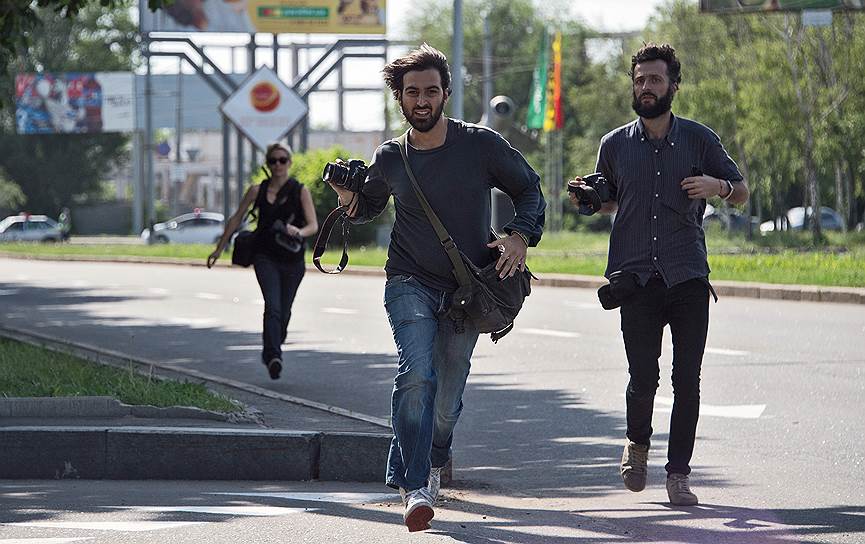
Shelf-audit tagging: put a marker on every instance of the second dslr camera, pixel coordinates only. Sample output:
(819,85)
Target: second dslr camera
(349,176)
(593,194)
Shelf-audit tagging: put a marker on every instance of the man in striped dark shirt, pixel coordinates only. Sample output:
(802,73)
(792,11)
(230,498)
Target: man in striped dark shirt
(660,170)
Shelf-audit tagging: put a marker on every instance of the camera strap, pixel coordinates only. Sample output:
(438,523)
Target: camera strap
(337,214)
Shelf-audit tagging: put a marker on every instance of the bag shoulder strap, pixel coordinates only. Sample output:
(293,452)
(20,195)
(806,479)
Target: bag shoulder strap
(460,270)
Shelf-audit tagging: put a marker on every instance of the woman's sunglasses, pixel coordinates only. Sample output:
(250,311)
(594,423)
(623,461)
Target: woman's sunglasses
(273,160)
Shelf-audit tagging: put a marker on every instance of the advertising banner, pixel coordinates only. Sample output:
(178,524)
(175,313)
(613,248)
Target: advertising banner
(74,102)
(734,6)
(264,108)
(271,16)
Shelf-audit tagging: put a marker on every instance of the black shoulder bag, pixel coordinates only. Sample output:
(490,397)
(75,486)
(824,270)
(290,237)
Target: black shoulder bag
(490,302)
(246,241)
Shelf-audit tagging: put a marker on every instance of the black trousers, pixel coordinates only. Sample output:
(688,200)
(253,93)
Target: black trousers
(685,307)
(279,282)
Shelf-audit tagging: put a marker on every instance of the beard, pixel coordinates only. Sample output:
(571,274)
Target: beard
(423,124)
(662,104)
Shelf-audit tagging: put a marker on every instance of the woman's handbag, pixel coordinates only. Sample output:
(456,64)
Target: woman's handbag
(490,302)
(245,242)
(243,252)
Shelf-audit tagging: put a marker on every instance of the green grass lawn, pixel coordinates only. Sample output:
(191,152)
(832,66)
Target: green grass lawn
(29,371)
(783,258)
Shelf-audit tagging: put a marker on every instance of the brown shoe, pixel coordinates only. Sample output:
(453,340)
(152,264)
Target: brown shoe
(634,461)
(679,491)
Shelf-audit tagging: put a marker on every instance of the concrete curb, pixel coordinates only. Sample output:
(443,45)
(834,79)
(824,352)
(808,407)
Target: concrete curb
(804,293)
(177,453)
(64,407)
(188,453)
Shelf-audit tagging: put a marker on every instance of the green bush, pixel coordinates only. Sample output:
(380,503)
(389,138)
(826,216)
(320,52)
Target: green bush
(307,168)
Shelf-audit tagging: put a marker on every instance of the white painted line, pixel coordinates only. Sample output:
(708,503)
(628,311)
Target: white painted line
(242,348)
(340,311)
(730,352)
(337,497)
(126,526)
(263,511)
(208,296)
(8,292)
(43,540)
(193,322)
(584,305)
(548,332)
(742,411)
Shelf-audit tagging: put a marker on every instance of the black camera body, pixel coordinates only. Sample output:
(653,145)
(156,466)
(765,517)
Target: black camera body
(349,176)
(593,194)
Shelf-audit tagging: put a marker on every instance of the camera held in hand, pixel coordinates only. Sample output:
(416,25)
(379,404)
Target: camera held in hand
(349,176)
(593,194)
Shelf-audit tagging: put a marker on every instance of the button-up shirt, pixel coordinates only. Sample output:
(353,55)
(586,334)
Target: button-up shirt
(657,228)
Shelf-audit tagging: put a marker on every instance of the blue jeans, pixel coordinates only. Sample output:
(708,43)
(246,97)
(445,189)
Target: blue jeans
(434,364)
(279,282)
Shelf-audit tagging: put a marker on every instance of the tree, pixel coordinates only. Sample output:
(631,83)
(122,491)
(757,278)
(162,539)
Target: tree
(52,170)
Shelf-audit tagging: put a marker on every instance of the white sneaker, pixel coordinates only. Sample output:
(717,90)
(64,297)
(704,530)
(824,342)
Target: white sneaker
(434,483)
(418,509)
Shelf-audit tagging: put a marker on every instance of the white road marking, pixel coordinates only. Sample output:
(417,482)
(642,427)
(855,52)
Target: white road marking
(340,311)
(584,305)
(208,296)
(549,332)
(730,352)
(126,526)
(43,540)
(337,497)
(220,510)
(8,292)
(742,411)
(193,322)
(243,348)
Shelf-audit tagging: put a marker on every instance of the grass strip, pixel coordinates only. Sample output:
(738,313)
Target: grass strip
(767,260)
(30,371)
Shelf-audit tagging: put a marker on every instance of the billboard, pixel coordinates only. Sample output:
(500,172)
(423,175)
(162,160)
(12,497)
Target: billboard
(739,6)
(272,16)
(74,102)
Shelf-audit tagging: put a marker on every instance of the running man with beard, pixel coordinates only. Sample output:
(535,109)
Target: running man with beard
(661,169)
(456,164)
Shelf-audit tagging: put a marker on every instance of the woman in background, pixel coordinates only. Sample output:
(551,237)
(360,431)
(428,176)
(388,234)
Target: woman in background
(286,216)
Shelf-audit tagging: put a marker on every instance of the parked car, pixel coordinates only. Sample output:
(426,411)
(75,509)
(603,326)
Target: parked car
(190,228)
(799,218)
(31,228)
(727,218)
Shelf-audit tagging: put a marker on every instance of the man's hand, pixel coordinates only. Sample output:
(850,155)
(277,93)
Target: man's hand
(699,187)
(572,196)
(513,256)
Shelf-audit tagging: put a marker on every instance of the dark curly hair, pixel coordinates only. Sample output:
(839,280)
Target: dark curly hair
(665,52)
(422,58)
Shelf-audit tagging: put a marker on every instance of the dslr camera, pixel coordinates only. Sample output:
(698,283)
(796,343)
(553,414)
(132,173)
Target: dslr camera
(591,195)
(350,175)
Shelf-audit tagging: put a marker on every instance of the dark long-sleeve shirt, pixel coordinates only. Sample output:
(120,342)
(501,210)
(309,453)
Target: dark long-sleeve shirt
(456,179)
(657,227)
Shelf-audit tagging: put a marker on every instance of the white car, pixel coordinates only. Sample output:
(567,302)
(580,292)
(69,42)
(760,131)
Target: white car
(189,228)
(31,228)
(799,218)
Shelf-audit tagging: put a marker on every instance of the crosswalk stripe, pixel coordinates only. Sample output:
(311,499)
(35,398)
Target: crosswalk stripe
(125,526)
(342,498)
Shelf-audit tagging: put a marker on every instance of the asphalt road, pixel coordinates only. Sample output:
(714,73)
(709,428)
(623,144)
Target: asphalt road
(779,455)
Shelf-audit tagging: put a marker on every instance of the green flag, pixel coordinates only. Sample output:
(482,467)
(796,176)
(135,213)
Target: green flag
(538,96)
